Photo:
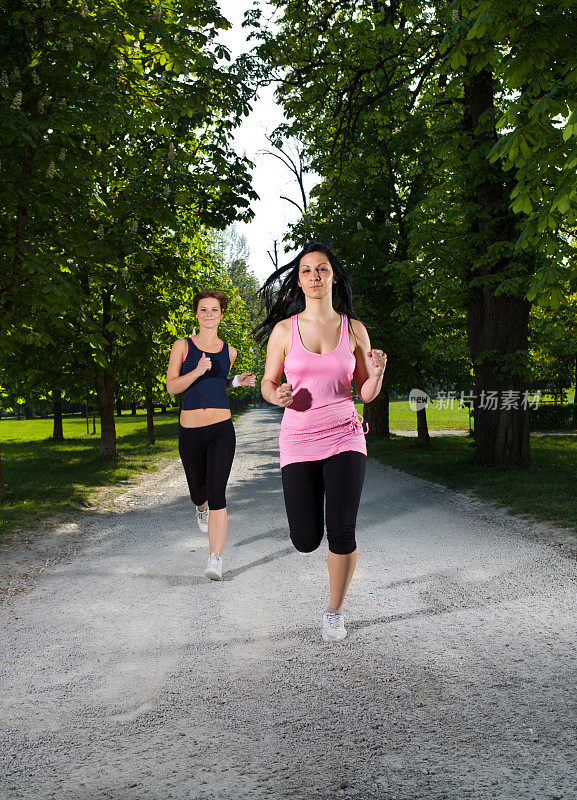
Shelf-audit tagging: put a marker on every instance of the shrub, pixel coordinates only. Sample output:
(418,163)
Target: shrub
(553,417)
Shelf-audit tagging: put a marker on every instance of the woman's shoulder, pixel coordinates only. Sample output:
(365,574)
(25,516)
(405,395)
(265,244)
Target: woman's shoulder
(357,327)
(280,336)
(282,327)
(360,334)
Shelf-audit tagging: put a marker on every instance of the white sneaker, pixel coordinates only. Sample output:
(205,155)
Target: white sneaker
(333,627)
(202,519)
(214,567)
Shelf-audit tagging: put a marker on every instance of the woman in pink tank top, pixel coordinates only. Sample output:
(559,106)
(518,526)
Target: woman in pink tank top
(322,444)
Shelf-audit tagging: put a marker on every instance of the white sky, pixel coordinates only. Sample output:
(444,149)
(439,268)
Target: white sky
(270,178)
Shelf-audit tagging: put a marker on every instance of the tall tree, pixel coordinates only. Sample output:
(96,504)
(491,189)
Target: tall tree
(537,66)
(111,126)
(114,118)
(446,64)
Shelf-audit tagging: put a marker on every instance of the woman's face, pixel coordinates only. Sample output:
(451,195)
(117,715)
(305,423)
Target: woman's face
(316,277)
(208,313)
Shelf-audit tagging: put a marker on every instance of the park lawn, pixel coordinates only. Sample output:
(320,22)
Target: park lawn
(547,490)
(45,478)
(401,418)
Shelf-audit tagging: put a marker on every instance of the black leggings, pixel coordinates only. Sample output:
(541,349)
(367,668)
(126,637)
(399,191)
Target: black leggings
(340,478)
(206,454)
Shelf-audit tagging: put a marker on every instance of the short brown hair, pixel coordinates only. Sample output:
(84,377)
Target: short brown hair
(216,294)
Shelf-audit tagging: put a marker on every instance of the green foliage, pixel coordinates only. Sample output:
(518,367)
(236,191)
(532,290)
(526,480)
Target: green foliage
(148,311)
(114,118)
(553,343)
(389,65)
(116,124)
(536,70)
(443,136)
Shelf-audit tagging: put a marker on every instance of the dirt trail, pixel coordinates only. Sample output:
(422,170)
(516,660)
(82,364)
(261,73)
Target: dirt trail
(126,674)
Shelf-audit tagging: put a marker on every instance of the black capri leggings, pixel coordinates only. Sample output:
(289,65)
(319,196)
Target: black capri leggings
(340,479)
(206,454)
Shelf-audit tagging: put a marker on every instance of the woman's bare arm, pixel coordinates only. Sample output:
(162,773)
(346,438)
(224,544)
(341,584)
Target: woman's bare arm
(271,388)
(175,382)
(368,375)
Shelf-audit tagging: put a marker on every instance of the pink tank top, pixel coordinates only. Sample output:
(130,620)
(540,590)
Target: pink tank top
(322,419)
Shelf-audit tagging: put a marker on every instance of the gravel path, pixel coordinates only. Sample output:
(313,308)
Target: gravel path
(126,674)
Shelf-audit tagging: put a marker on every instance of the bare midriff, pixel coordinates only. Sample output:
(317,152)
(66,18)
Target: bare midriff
(199,417)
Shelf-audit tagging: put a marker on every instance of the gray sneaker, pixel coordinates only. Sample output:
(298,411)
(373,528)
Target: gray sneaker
(202,519)
(214,567)
(333,627)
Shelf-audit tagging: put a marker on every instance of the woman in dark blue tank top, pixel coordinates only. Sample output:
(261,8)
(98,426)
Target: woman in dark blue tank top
(199,368)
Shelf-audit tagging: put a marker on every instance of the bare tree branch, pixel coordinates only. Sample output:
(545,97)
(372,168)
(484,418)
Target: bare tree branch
(295,165)
(274,258)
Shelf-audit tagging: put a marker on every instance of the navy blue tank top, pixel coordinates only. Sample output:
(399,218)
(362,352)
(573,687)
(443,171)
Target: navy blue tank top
(208,391)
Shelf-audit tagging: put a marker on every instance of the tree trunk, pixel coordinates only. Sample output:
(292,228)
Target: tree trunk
(18,278)
(376,415)
(497,326)
(163,409)
(150,417)
(575,396)
(29,411)
(423,437)
(105,388)
(2,484)
(119,407)
(133,408)
(58,432)
(105,395)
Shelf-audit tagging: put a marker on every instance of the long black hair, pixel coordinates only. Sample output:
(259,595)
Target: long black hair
(282,296)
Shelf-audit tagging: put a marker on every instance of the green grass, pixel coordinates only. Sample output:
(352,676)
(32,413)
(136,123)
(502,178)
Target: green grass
(547,490)
(401,418)
(45,478)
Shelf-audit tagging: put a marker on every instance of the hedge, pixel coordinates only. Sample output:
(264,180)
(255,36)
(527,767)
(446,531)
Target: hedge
(553,417)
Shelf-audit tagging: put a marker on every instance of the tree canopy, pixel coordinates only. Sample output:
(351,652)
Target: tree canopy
(443,153)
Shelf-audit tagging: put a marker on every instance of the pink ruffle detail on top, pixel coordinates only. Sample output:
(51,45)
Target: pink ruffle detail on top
(353,423)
